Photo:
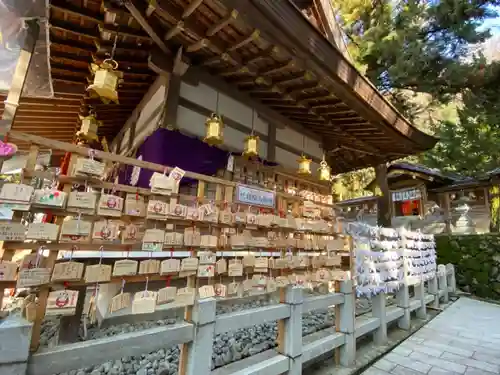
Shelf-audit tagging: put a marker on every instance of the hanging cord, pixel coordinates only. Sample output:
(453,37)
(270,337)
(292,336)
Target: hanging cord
(113,50)
(217,104)
(253,120)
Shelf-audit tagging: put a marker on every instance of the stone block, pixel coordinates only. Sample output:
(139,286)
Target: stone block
(14,369)
(204,311)
(15,337)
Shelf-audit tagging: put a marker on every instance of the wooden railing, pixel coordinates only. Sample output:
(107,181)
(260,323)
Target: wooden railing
(289,357)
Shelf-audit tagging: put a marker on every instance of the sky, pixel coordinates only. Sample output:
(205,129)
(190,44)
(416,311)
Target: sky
(493,24)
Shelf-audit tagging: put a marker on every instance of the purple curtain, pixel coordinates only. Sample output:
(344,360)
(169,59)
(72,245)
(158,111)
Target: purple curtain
(174,149)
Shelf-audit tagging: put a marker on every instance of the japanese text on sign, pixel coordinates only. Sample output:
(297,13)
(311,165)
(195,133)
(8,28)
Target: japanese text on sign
(406,195)
(255,197)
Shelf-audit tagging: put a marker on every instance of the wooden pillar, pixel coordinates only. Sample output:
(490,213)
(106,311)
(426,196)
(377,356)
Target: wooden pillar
(447,211)
(487,203)
(70,325)
(423,200)
(7,255)
(172,102)
(192,282)
(384,211)
(271,142)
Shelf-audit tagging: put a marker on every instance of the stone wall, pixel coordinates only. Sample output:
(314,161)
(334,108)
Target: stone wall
(477,262)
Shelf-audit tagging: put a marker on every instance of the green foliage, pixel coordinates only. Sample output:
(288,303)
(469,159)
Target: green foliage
(466,147)
(477,262)
(418,53)
(416,45)
(351,185)
(495,208)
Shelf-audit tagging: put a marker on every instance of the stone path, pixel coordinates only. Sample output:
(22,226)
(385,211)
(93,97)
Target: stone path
(464,339)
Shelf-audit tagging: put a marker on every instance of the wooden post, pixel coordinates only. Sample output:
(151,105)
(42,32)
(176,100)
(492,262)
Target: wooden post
(43,294)
(271,142)
(282,206)
(191,283)
(7,255)
(487,203)
(423,200)
(447,215)
(70,325)
(384,212)
(172,102)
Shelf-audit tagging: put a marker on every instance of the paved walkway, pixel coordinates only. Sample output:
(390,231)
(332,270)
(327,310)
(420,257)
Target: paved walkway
(464,339)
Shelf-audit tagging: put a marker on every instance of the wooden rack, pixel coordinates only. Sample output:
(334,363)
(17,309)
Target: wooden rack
(224,192)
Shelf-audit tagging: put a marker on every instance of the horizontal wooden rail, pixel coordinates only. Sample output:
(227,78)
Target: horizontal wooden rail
(248,318)
(206,324)
(107,156)
(322,302)
(88,353)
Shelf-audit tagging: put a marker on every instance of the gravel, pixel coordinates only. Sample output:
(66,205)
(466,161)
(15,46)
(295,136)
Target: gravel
(227,347)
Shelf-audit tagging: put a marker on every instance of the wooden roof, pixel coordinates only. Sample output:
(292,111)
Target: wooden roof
(80,34)
(433,177)
(265,53)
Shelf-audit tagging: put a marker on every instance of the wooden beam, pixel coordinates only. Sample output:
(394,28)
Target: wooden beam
(70,9)
(59,44)
(176,29)
(172,102)
(290,64)
(266,112)
(333,30)
(105,47)
(357,150)
(191,8)
(161,63)
(106,31)
(28,109)
(243,128)
(67,27)
(196,46)
(271,142)
(263,54)
(384,203)
(219,25)
(138,11)
(281,24)
(253,36)
(131,137)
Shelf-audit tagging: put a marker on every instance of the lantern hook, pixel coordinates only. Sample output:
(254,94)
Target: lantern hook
(112,63)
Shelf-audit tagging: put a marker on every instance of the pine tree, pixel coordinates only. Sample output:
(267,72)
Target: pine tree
(412,48)
(467,147)
(421,46)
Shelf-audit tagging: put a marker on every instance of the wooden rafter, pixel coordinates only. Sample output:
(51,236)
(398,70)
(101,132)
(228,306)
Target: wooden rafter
(140,12)
(313,50)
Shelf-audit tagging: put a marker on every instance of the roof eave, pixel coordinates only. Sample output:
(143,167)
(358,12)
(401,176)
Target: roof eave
(283,22)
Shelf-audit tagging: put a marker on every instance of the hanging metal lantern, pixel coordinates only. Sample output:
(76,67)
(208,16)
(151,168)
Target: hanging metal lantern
(214,130)
(251,146)
(106,80)
(304,165)
(324,170)
(88,130)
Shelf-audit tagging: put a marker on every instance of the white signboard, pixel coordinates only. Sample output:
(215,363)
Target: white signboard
(406,195)
(255,197)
